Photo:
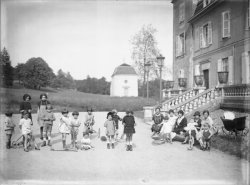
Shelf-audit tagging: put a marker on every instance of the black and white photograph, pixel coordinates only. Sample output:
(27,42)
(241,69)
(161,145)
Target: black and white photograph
(126,92)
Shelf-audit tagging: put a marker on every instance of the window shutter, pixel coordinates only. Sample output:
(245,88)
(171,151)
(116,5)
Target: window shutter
(177,46)
(201,38)
(180,44)
(230,70)
(245,68)
(184,42)
(197,39)
(248,14)
(210,36)
(219,67)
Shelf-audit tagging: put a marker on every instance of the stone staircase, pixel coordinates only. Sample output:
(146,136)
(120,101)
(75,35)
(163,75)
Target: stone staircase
(191,101)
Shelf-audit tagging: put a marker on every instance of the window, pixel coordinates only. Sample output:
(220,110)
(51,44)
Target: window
(197,39)
(206,2)
(206,35)
(180,44)
(226,24)
(223,64)
(181,13)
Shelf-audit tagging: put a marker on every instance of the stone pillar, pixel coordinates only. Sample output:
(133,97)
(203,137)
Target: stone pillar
(148,113)
(245,68)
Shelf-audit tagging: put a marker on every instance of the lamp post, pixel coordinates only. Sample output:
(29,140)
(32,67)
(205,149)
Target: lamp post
(160,62)
(147,67)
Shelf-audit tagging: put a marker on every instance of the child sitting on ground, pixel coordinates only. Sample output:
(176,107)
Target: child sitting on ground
(86,142)
(168,127)
(9,128)
(25,126)
(206,135)
(75,124)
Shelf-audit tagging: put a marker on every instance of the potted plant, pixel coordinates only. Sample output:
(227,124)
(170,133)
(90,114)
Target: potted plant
(223,77)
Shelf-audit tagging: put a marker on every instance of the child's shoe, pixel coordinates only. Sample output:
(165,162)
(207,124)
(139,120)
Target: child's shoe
(131,148)
(49,143)
(8,145)
(113,145)
(26,150)
(108,146)
(37,148)
(43,144)
(128,148)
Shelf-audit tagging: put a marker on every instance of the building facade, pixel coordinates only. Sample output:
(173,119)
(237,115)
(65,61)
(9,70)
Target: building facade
(124,81)
(211,36)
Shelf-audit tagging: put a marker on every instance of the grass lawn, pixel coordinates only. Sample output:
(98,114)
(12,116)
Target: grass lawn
(71,99)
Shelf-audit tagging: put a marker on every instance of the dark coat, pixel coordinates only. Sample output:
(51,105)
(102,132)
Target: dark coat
(180,127)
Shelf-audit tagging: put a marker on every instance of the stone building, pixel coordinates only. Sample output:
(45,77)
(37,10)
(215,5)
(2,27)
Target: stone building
(124,81)
(211,36)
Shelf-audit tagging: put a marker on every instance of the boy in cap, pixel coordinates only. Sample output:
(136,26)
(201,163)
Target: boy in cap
(48,118)
(116,119)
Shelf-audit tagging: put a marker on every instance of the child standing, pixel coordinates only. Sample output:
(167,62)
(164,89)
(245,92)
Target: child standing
(110,130)
(129,129)
(48,118)
(25,126)
(89,121)
(9,128)
(75,124)
(64,127)
(116,119)
(86,142)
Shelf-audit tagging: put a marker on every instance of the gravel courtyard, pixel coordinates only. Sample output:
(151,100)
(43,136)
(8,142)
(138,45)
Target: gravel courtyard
(147,164)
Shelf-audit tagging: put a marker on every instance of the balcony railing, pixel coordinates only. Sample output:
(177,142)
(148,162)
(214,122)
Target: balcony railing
(237,90)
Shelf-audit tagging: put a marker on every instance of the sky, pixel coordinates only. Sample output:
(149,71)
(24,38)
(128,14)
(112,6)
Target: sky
(83,37)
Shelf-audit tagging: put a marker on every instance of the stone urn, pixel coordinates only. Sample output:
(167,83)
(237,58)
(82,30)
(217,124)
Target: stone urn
(182,82)
(198,80)
(223,77)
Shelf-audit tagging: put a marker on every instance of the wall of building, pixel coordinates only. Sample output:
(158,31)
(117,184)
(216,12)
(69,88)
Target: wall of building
(182,62)
(118,83)
(233,46)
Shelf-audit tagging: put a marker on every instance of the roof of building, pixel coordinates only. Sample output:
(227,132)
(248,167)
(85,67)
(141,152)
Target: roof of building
(124,69)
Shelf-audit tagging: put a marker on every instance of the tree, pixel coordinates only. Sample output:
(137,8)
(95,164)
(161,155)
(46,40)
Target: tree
(37,73)
(63,80)
(145,50)
(6,70)
(93,85)
(20,72)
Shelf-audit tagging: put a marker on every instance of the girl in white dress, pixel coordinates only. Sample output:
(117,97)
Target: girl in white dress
(64,126)
(168,126)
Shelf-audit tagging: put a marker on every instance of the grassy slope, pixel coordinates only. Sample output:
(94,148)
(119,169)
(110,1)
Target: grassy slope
(73,100)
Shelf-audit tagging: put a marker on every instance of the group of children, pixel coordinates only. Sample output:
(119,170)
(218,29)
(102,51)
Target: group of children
(67,125)
(197,129)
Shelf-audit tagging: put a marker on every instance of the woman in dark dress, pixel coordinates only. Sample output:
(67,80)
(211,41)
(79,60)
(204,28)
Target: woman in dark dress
(26,105)
(129,129)
(178,131)
(158,119)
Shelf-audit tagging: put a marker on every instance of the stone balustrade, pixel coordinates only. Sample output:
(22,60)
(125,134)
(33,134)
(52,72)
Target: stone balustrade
(197,101)
(237,90)
(178,99)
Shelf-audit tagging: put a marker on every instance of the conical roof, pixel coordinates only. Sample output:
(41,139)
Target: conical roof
(124,69)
